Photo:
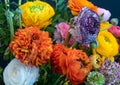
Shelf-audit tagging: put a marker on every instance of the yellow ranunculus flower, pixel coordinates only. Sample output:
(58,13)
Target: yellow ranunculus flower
(107,45)
(37,13)
(105,26)
(96,60)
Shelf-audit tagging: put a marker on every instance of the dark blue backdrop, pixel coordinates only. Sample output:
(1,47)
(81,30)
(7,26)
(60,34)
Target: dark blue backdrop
(112,5)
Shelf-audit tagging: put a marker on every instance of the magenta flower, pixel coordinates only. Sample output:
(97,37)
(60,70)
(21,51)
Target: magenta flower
(104,13)
(61,32)
(85,27)
(115,30)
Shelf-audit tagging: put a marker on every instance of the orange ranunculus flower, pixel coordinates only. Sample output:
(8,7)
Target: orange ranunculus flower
(58,58)
(79,67)
(31,46)
(37,13)
(77,5)
(73,63)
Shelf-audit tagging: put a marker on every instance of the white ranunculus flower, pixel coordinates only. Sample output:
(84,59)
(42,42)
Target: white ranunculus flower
(16,73)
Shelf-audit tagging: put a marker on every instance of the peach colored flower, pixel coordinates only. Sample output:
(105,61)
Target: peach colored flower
(31,46)
(77,5)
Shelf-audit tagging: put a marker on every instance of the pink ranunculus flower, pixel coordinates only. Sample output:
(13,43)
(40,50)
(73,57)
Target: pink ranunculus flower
(106,14)
(61,32)
(115,30)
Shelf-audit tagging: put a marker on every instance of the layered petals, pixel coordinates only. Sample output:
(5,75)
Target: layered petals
(37,13)
(73,63)
(61,33)
(85,27)
(104,13)
(115,30)
(95,78)
(105,26)
(79,67)
(16,73)
(59,58)
(77,5)
(108,45)
(31,46)
(96,60)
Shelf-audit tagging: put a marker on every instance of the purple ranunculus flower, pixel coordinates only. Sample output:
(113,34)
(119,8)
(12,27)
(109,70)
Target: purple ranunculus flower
(61,32)
(111,72)
(85,27)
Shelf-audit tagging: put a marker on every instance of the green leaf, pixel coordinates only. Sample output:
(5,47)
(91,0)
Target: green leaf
(1,70)
(6,54)
(60,2)
(1,50)
(55,18)
(2,32)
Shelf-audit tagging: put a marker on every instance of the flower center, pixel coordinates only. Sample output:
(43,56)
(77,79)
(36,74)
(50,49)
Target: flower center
(36,8)
(106,39)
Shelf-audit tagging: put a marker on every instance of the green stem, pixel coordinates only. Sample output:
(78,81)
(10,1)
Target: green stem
(66,83)
(19,2)
(56,83)
(56,4)
(7,4)
(19,13)
(67,39)
(75,44)
(9,16)
(45,75)
(20,22)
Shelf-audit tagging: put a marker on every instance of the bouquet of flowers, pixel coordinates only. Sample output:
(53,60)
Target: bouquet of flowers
(58,42)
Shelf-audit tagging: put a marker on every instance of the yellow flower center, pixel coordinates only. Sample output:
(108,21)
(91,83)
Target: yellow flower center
(37,8)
